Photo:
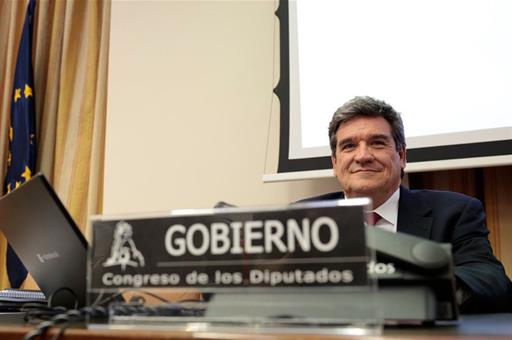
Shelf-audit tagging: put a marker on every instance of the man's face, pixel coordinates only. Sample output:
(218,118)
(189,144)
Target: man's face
(366,161)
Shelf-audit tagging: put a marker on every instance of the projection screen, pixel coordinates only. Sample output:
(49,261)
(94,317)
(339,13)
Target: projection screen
(445,65)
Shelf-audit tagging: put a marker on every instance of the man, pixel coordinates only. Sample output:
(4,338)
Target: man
(368,158)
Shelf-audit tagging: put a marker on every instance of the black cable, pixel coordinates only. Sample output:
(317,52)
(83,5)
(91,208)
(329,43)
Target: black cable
(54,316)
(146,292)
(57,315)
(57,294)
(64,320)
(120,294)
(57,335)
(109,298)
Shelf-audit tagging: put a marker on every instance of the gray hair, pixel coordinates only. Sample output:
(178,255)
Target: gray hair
(367,107)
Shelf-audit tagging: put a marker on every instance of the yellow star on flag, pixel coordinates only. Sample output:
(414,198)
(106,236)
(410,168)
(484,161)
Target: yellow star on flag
(17,184)
(28,91)
(11,133)
(26,174)
(9,188)
(9,158)
(17,94)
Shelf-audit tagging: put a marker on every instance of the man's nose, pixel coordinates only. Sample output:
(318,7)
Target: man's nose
(363,154)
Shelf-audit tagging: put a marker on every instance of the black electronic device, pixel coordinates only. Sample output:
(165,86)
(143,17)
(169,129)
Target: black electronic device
(47,240)
(415,278)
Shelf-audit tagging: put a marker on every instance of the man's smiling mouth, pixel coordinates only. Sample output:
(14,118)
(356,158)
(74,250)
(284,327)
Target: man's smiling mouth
(365,170)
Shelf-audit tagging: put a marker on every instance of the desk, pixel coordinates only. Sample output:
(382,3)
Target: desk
(496,326)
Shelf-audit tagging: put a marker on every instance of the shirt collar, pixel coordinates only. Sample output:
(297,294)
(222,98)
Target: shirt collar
(389,209)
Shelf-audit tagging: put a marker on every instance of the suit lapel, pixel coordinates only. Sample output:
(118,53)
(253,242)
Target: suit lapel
(413,215)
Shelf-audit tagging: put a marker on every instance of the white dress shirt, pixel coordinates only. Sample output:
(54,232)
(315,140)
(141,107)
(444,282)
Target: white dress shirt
(389,212)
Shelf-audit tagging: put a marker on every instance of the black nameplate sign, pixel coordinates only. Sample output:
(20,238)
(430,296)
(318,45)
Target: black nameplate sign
(297,246)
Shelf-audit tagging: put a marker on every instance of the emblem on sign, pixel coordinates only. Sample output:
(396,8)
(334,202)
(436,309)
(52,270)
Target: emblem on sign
(123,251)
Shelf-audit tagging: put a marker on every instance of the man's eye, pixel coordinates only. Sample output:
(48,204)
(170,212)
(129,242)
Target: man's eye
(347,146)
(379,143)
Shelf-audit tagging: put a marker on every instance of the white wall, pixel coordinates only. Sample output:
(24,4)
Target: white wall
(189,104)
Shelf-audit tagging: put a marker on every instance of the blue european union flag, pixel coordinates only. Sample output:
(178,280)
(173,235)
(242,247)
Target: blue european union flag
(22,137)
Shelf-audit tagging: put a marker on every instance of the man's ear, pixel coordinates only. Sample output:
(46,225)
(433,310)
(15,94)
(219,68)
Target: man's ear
(333,162)
(403,158)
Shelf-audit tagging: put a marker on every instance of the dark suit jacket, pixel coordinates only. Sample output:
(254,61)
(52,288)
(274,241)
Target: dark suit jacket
(460,220)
